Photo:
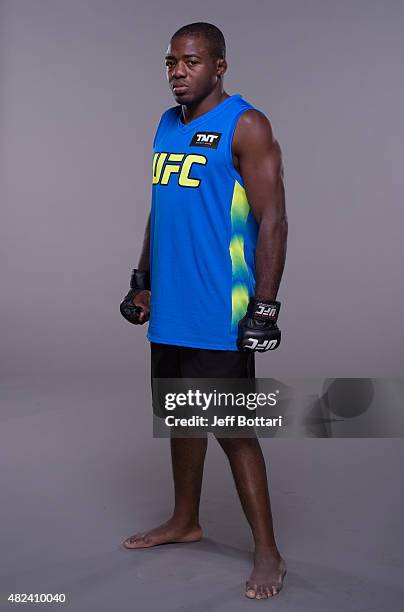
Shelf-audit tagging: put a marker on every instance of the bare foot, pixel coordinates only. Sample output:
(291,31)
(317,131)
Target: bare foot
(267,576)
(169,532)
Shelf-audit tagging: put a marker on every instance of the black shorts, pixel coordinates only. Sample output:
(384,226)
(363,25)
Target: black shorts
(169,361)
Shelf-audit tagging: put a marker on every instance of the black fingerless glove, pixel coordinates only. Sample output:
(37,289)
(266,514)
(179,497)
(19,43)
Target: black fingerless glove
(257,330)
(140,281)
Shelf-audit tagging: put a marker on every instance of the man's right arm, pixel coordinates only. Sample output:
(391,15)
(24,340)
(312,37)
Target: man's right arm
(142,299)
(139,298)
(144,261)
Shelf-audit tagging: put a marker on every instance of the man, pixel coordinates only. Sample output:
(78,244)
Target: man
(214,249)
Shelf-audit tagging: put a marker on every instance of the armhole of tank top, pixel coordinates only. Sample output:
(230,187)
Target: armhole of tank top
(229,153)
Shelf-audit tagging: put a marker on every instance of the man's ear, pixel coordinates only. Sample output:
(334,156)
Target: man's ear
(221,67)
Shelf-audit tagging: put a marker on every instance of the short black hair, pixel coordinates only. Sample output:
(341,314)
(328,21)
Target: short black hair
(213,35)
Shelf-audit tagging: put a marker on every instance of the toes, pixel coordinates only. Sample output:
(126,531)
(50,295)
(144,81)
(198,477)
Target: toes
(268,591)
(277,588)
(251,590)
(261,593)
(129,542)
(135,538)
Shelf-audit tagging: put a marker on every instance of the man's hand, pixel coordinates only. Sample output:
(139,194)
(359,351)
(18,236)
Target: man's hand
(142,301)
(135,306)
(257,330)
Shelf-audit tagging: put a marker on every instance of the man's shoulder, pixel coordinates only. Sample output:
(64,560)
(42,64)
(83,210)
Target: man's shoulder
(253,119)
(253,129)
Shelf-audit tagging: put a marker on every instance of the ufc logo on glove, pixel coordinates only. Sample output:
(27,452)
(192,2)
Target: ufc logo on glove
(257,330)
(265,311)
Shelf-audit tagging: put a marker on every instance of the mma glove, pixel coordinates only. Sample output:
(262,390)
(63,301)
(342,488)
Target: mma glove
(257,330)
(140,281)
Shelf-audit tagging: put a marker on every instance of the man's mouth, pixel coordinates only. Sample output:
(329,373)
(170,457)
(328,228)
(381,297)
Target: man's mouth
(179,88)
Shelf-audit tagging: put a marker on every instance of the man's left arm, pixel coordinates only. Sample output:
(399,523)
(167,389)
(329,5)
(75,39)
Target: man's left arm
(260,165)
(259,160)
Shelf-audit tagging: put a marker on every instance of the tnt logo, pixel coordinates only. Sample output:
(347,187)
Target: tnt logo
(206,139)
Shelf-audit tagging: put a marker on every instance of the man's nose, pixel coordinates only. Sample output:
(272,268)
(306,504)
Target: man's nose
(179,70)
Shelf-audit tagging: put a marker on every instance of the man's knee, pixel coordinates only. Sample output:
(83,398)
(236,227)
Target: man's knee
(232,445)
(188,433)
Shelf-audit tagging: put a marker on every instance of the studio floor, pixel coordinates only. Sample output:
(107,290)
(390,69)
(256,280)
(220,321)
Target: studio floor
(81,471)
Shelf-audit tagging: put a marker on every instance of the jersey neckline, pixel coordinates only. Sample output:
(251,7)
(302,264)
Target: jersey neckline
(213,111)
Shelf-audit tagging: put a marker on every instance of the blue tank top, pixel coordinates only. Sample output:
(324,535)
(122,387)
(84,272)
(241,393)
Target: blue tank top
(202,231)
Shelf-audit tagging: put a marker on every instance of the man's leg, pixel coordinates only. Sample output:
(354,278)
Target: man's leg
(248,468)
(187,456)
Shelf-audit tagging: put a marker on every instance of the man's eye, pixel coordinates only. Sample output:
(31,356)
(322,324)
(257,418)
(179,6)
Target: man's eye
(192,62)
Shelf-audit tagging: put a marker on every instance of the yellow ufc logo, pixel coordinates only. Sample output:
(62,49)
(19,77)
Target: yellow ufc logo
(166,164)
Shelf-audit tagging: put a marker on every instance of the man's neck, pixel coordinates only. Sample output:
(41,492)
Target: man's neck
(189,113)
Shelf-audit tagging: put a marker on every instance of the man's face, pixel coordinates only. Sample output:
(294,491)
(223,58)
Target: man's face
(191,69)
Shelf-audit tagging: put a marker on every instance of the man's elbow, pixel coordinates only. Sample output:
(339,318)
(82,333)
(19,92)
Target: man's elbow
(275,223)
(283,223)
(281,228)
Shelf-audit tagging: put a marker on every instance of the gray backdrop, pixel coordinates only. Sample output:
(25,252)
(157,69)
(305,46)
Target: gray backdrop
(82,88)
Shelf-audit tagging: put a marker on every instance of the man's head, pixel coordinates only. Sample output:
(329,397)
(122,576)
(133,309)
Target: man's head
(195,61)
